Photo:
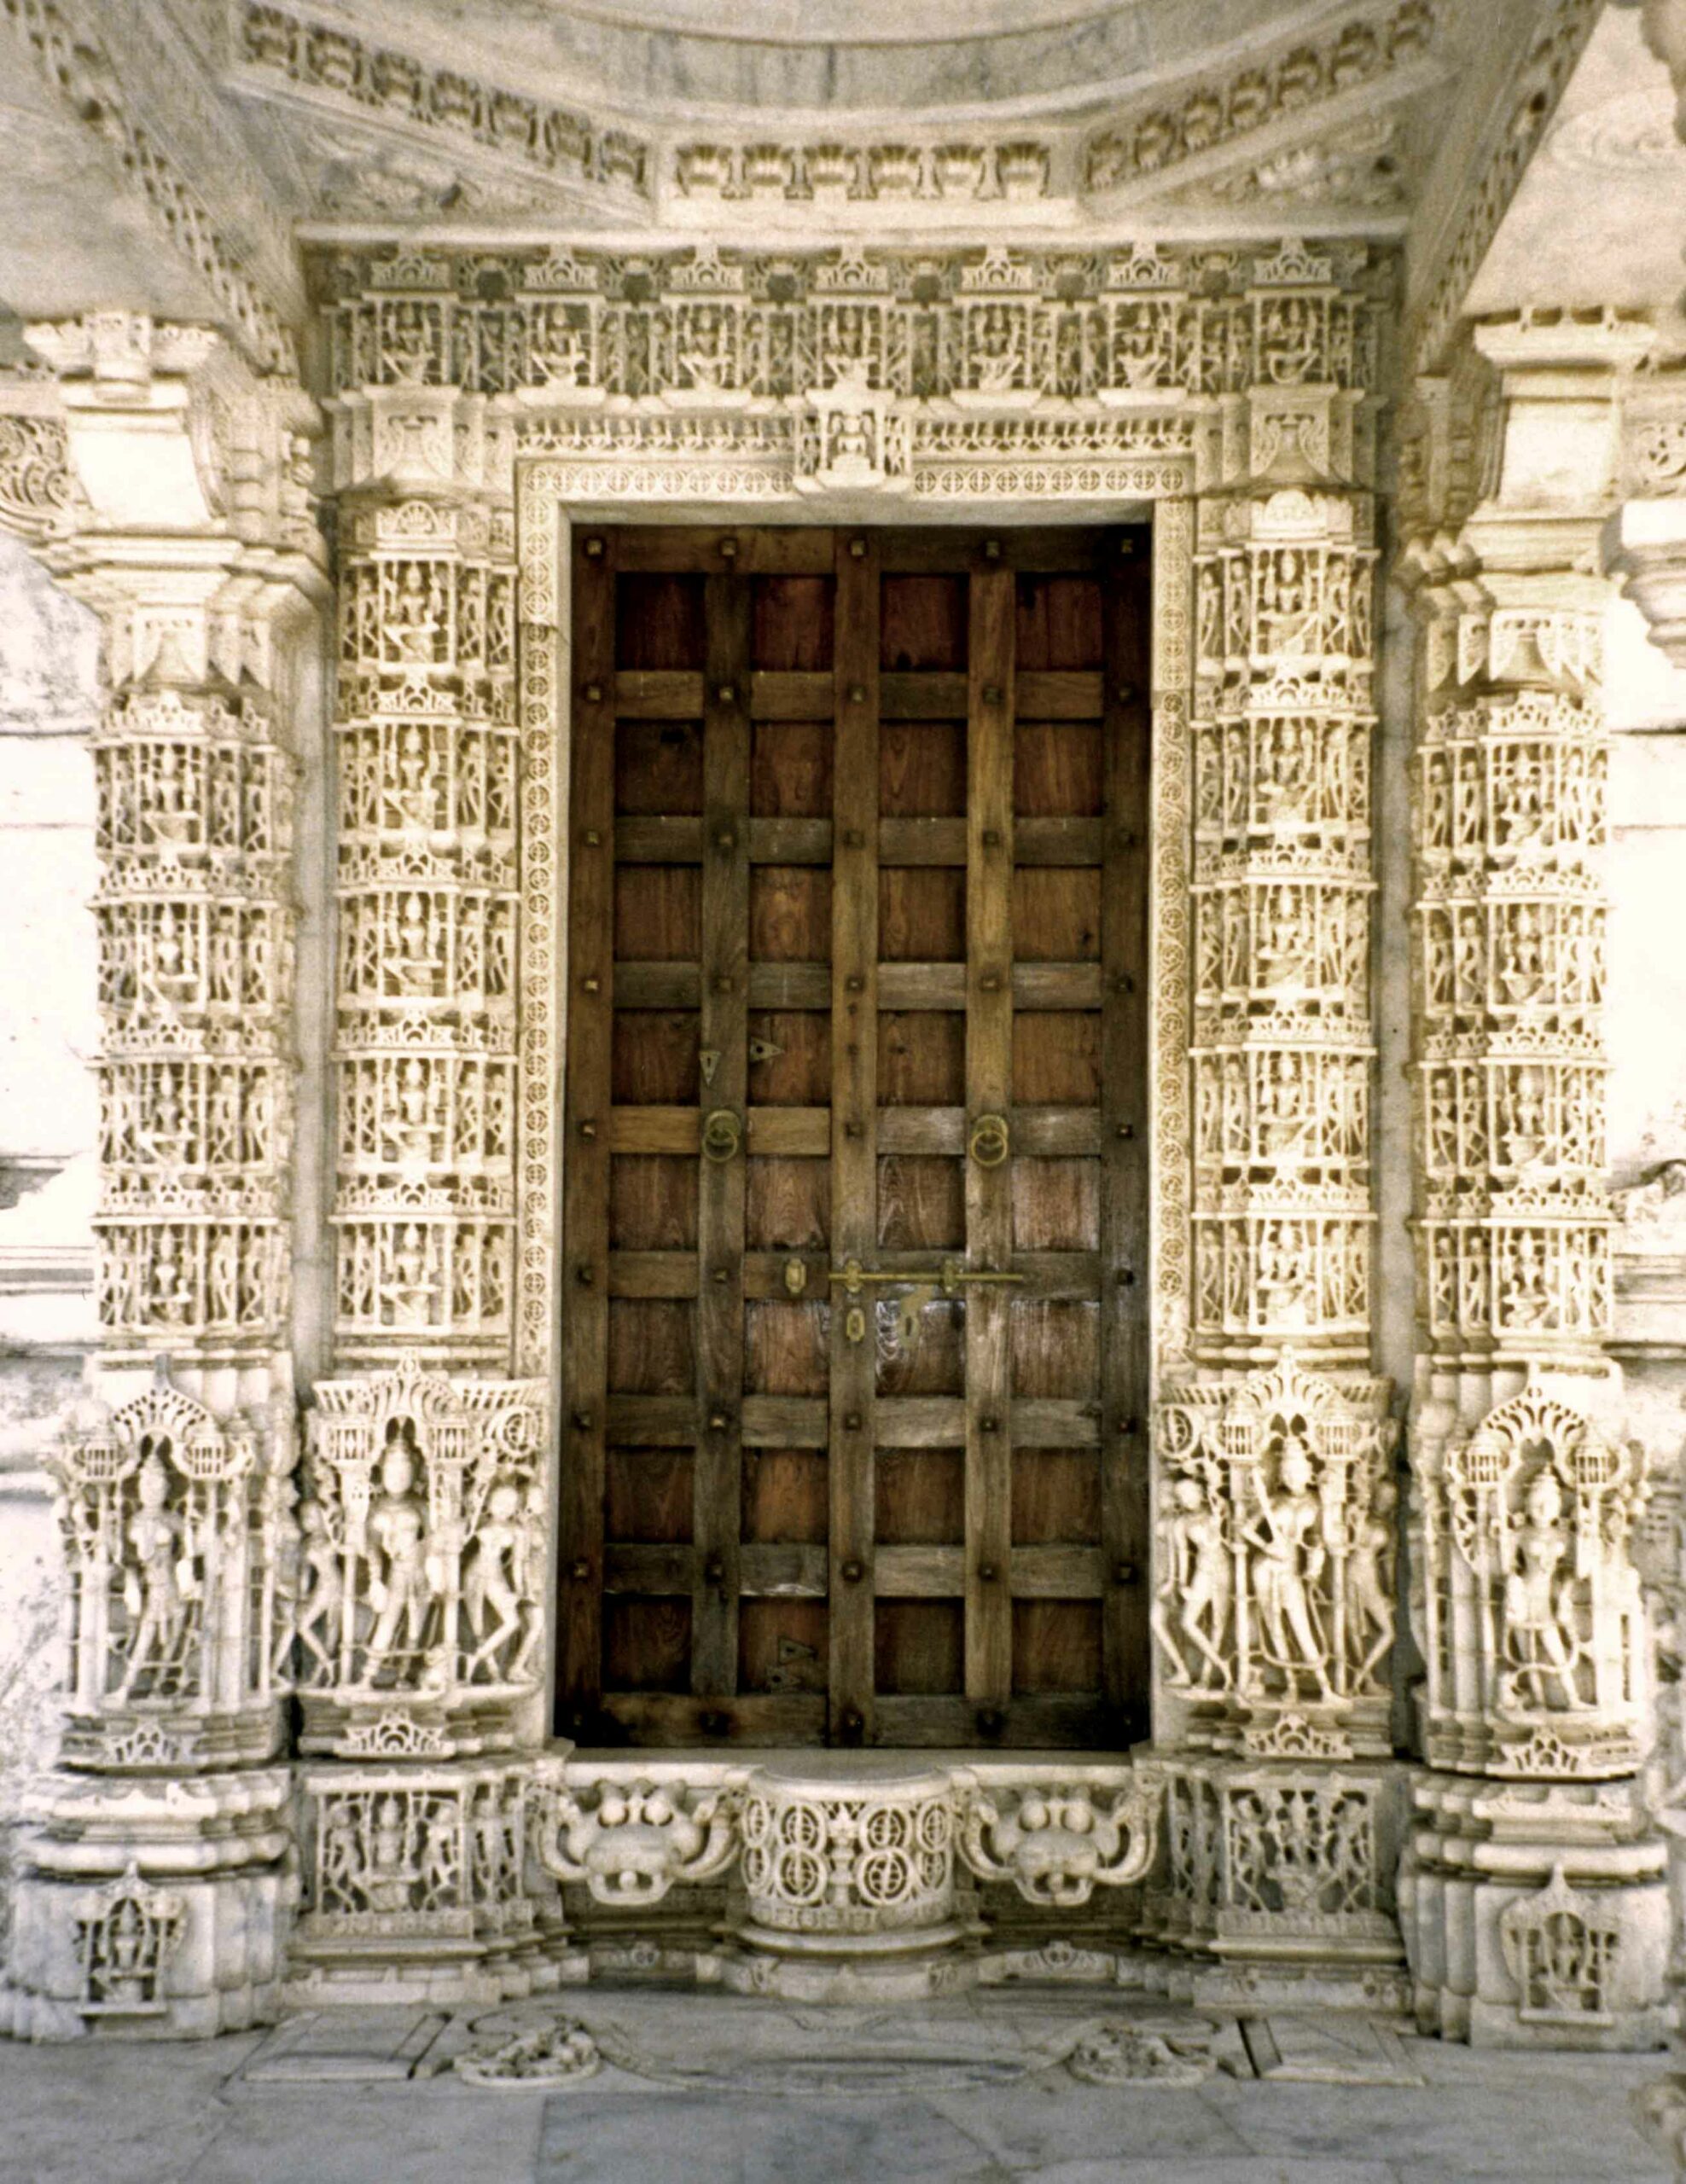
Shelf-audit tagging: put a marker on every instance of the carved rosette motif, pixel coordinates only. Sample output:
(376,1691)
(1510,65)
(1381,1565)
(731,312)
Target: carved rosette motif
(425,1033)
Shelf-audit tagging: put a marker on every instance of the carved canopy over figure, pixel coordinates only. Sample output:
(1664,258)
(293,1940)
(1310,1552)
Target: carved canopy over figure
(176,1535)
(423,1528)
(1533,1622)
(1276,1541)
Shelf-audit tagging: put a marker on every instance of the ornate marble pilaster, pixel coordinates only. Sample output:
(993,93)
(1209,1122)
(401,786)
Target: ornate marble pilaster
(1276,1555)
(425,1036)
(186,522)
(424,1555)
(1526,1600)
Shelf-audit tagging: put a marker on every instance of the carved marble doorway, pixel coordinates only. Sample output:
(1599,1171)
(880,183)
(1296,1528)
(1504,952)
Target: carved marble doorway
(855,1338)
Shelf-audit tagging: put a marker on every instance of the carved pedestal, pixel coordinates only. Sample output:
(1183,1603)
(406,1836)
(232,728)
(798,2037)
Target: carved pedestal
(1536,1914)
(152,1906)
(423,1558)
(1278,1879)
(414,1886)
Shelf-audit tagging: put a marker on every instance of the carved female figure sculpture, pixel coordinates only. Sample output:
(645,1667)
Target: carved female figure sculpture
(152,1591)
(495,1583)
(1369,1580)
(1542,1645)
(1197,1587)
(400,1589)
(323,1594)
(1288,1559)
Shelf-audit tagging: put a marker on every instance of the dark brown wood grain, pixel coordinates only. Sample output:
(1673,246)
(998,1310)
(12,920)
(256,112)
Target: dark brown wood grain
(1126,1332)
(859,854)
(988,1190)
(584,1360)
(725,894)
(854,1039)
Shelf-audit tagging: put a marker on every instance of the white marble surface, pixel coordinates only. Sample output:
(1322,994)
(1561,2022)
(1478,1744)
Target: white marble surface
(727,2106)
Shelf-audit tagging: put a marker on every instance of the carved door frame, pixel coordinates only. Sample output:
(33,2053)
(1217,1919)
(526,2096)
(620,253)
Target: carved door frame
(553,498)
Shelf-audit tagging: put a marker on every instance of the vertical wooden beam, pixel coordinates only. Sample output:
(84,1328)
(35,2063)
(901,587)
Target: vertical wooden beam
(585,1198)
(1126,1330)
(854,1146)
(719,1475)
(989,1190)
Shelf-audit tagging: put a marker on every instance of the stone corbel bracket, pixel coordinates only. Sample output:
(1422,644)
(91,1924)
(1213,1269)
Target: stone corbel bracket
(630,1843)
(629,1832)
(1058,1842)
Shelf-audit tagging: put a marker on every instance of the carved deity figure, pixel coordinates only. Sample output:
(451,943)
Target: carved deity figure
(1369,1583)
(1541,1644)
(400,1586)
(496,1581)
(321,1593)
(158,1582)
(1193,1606)
(1288,1559)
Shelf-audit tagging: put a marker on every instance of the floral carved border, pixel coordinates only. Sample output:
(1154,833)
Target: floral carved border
(544,488)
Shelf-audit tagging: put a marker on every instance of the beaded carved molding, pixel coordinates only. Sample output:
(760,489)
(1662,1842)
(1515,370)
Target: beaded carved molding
(854,384)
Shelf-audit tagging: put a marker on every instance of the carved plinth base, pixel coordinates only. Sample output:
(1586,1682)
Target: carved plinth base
(1278,1882)
(151,1908)
(374,1724)
(837,1869)
(914,1976)
(1535,1916)
(136,1741)
(415,1887)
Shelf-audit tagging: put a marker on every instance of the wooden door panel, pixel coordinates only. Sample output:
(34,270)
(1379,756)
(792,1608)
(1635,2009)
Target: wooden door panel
(858,869)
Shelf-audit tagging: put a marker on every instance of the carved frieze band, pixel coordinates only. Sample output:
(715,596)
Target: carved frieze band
(983,379)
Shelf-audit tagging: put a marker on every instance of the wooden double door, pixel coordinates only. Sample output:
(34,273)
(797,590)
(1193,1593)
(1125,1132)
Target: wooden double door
(855,1298)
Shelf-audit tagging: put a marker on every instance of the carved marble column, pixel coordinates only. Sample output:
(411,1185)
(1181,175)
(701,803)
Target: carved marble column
(1274,1604)
(1533,1904)
(424,1517)
(156,1885)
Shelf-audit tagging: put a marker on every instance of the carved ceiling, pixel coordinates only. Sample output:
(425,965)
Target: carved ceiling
(243,129)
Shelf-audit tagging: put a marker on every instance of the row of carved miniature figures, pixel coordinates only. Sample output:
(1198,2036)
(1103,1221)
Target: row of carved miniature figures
(413,1569)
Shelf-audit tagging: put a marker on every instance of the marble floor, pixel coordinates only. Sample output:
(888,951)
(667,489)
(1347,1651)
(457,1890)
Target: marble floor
(1015,2089)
